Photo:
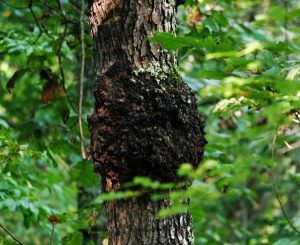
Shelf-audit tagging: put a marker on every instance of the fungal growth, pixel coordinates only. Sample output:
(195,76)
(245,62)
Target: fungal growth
(143,127)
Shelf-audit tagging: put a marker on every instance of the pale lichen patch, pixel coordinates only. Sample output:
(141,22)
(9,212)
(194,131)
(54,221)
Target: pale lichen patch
(159,71)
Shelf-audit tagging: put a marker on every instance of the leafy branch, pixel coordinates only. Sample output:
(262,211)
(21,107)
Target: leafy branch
(276,190)
(11,235)
(12,6)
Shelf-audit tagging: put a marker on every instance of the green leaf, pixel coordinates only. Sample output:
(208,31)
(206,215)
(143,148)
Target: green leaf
(173,210)
(169,41)
(211,24)
(185,169)
(220,18)
(84,174)
(118,195)
(285,241)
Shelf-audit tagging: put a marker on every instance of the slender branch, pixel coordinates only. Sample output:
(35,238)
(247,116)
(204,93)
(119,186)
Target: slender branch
(52,234)
(286,8)
(12,6)
(37,38)
(29,6)
(59,56)
(291,147)
(77,7)
(61,9)
(83,154)
(35,19)
(41,28)
(11,235)
(62,74)
(276,190)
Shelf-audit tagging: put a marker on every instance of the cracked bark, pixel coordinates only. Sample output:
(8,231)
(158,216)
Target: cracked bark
(143,124)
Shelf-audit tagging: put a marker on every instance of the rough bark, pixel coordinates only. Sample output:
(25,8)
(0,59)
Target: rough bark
(145,121)
(136,224)
(121,29)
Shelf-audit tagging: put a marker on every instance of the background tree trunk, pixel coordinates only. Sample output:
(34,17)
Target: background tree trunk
(145,121)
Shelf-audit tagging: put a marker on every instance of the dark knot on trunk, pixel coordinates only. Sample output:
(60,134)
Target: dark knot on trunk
(143,126)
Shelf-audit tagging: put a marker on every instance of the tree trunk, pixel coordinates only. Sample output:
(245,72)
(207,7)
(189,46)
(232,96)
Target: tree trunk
(145,121)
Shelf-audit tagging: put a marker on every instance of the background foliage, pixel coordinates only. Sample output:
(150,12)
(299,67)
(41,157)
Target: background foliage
(242,60)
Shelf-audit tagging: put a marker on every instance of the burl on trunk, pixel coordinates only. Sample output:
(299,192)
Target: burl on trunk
(145,121)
